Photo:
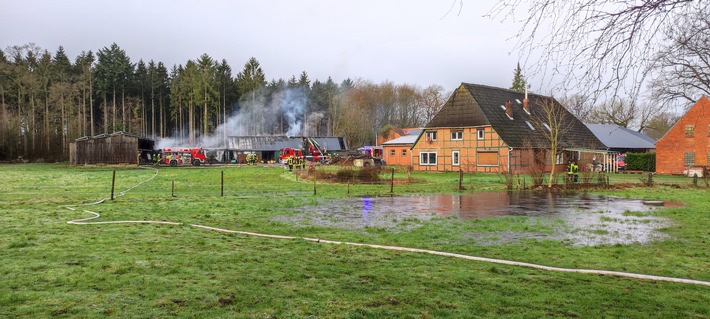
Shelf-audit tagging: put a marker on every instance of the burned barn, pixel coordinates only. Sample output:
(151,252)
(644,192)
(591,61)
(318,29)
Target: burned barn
(268,148)
(116,148)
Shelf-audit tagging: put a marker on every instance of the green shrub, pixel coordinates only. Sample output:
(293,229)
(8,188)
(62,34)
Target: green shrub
(641,161)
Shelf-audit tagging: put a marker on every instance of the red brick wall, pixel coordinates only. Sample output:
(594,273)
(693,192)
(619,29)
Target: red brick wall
(671,149)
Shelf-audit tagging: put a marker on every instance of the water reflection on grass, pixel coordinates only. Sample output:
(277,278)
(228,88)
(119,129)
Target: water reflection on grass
(577,218)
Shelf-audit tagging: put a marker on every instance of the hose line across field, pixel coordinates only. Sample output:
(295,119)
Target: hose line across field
(87,221)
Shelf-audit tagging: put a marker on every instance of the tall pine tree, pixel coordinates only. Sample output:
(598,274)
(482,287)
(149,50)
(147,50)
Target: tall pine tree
(519,82)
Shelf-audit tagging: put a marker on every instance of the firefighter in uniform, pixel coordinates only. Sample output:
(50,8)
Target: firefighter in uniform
(290,163)
(572,170)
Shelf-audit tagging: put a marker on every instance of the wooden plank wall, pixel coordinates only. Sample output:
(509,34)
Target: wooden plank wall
(113,149)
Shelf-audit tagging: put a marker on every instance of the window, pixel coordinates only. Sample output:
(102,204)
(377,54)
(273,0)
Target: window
(560,159)
(455,161)
(431,136)
(709,135)
(427,158)
(689,158)
(393,152)
(404,152)
(480,133)
(689,130)
(457,135)
(487,158)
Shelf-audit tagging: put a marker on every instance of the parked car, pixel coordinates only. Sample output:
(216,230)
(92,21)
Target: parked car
(621,161)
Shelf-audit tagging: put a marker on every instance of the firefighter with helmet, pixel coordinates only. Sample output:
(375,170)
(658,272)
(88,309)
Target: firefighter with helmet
(572,171)
(290,163)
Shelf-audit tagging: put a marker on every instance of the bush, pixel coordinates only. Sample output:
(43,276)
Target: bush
(369,174)
(363,175)
(345,174)
(641,161)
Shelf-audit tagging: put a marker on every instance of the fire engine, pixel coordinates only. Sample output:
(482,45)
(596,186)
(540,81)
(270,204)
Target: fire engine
(311,149)
(287,152)
(183,156)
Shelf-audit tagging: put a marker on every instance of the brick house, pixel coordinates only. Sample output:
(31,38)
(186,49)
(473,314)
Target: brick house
(687,144)
(489,129)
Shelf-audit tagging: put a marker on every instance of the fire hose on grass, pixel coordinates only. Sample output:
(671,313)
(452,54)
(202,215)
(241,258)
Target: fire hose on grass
(87,221)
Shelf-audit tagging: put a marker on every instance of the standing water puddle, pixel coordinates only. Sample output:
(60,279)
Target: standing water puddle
(586,219)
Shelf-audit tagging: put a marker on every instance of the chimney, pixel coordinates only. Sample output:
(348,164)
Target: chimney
(525,101)
(509,108)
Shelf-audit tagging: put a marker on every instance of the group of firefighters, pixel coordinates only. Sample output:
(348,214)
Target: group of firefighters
(251,159)
(298,162)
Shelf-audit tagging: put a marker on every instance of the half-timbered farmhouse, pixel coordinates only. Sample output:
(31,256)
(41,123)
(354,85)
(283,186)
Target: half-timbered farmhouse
(489,129)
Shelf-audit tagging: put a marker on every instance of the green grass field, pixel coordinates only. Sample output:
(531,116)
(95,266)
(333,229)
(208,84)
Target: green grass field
(51,269)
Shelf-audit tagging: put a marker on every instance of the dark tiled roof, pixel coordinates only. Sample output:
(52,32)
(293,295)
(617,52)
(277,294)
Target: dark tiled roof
(480,105)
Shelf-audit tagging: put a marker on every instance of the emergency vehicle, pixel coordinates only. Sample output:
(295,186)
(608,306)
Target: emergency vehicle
(313,154)
(183,156)
(287,152)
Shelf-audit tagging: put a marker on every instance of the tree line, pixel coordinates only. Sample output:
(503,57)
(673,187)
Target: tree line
(49,100)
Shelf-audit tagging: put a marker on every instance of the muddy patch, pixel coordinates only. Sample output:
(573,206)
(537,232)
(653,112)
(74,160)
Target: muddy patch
(579,219)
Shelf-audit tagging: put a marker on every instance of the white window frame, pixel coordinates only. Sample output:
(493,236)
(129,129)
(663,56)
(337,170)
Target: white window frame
(458,135)
(404,152)
(689,158)
(393,153)
(424,158)
(431,136)
(481,133)
(560,159)
(455,158)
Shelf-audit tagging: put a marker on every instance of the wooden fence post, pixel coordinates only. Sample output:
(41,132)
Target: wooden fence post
(113,183)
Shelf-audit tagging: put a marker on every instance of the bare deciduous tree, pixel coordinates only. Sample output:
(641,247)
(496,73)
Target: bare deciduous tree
(433,98)
(557,123)
(580,106)
(683,63)
(599,47)
(627,113)
(659,124)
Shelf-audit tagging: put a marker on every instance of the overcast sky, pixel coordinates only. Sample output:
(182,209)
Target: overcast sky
(420,42)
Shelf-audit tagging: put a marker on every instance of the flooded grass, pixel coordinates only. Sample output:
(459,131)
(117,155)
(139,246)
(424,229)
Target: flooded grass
(578,219)
(53,269)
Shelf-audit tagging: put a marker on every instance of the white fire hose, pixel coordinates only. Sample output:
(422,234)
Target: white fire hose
(86,221)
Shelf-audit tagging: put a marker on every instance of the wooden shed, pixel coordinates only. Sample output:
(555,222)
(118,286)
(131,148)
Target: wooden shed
(116,148)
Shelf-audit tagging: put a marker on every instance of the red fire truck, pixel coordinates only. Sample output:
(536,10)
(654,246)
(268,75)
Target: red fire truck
(183,156)
(287,152)
(311,151)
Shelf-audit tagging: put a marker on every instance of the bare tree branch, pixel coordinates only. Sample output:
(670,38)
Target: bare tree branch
(601,48)
(683,63)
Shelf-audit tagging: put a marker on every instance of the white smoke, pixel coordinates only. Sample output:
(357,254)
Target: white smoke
(280,113)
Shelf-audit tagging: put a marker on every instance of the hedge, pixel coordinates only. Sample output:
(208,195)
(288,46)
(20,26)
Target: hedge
(641,162)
